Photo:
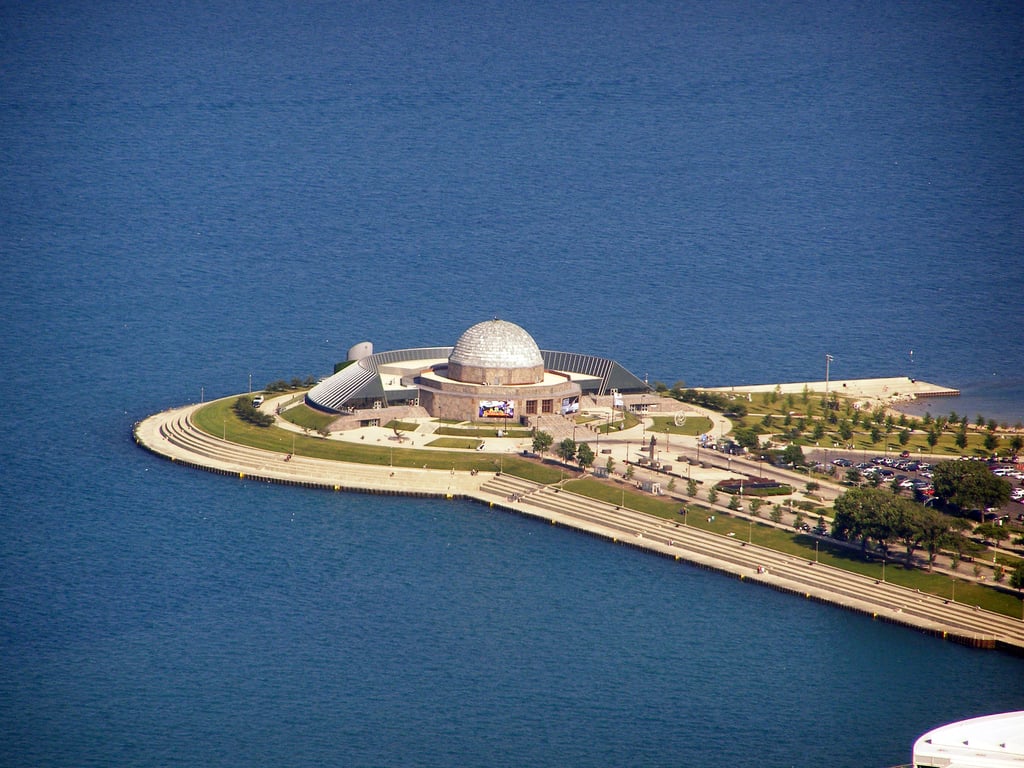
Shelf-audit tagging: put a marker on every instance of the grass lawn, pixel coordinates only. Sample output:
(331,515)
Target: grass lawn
(304,416)
(626,421)
(694,425)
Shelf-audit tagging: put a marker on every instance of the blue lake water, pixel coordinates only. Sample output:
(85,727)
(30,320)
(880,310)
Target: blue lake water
(719,193)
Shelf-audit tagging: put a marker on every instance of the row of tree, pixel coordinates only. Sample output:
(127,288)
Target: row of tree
(876,515)
(286,386)
(568,450)
(246,411)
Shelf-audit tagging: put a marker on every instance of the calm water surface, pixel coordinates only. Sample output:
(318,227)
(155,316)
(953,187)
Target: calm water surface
(718,193)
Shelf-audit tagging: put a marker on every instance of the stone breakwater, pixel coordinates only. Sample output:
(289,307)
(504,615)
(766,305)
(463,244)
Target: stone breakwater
(173,435)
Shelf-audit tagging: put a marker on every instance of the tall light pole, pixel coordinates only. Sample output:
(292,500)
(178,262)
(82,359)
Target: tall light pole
(828,360)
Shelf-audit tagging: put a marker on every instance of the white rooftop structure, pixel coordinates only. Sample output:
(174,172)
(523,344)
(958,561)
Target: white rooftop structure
(992,741)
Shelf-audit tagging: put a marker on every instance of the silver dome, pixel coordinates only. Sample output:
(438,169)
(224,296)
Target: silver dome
(492,349)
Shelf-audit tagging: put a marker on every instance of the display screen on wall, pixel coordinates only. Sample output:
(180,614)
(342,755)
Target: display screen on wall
(570,405)
(497,409)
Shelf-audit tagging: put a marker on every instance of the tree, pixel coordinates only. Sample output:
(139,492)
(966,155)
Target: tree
(755,506)
(937,531)
(865,514)
(734,502)
(567,449)
(991,532)
(584,455)
(969,485)
(793,454)
(904,436)
(1017,579)
(845,430)
(712,495)
(853,475)
(775,513)
(691,487)
(991,441)
(745,437)
(542,442)
(961,436)
(908,526)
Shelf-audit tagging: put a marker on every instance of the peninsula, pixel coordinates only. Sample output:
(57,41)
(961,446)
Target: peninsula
(496,378)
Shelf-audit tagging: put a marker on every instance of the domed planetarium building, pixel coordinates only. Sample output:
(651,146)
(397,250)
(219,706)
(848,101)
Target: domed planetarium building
(494,371)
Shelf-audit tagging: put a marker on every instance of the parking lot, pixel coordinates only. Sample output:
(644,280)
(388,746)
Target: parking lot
(913,476)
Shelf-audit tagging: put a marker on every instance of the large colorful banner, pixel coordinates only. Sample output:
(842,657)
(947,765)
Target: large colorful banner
(497,409)
(570,405)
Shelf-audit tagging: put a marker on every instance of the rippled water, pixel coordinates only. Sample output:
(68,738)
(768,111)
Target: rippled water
(718,193)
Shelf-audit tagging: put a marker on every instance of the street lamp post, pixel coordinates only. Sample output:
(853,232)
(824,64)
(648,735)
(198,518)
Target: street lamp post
(828,360)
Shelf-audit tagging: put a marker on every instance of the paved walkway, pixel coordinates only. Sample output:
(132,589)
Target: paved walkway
(171,434)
